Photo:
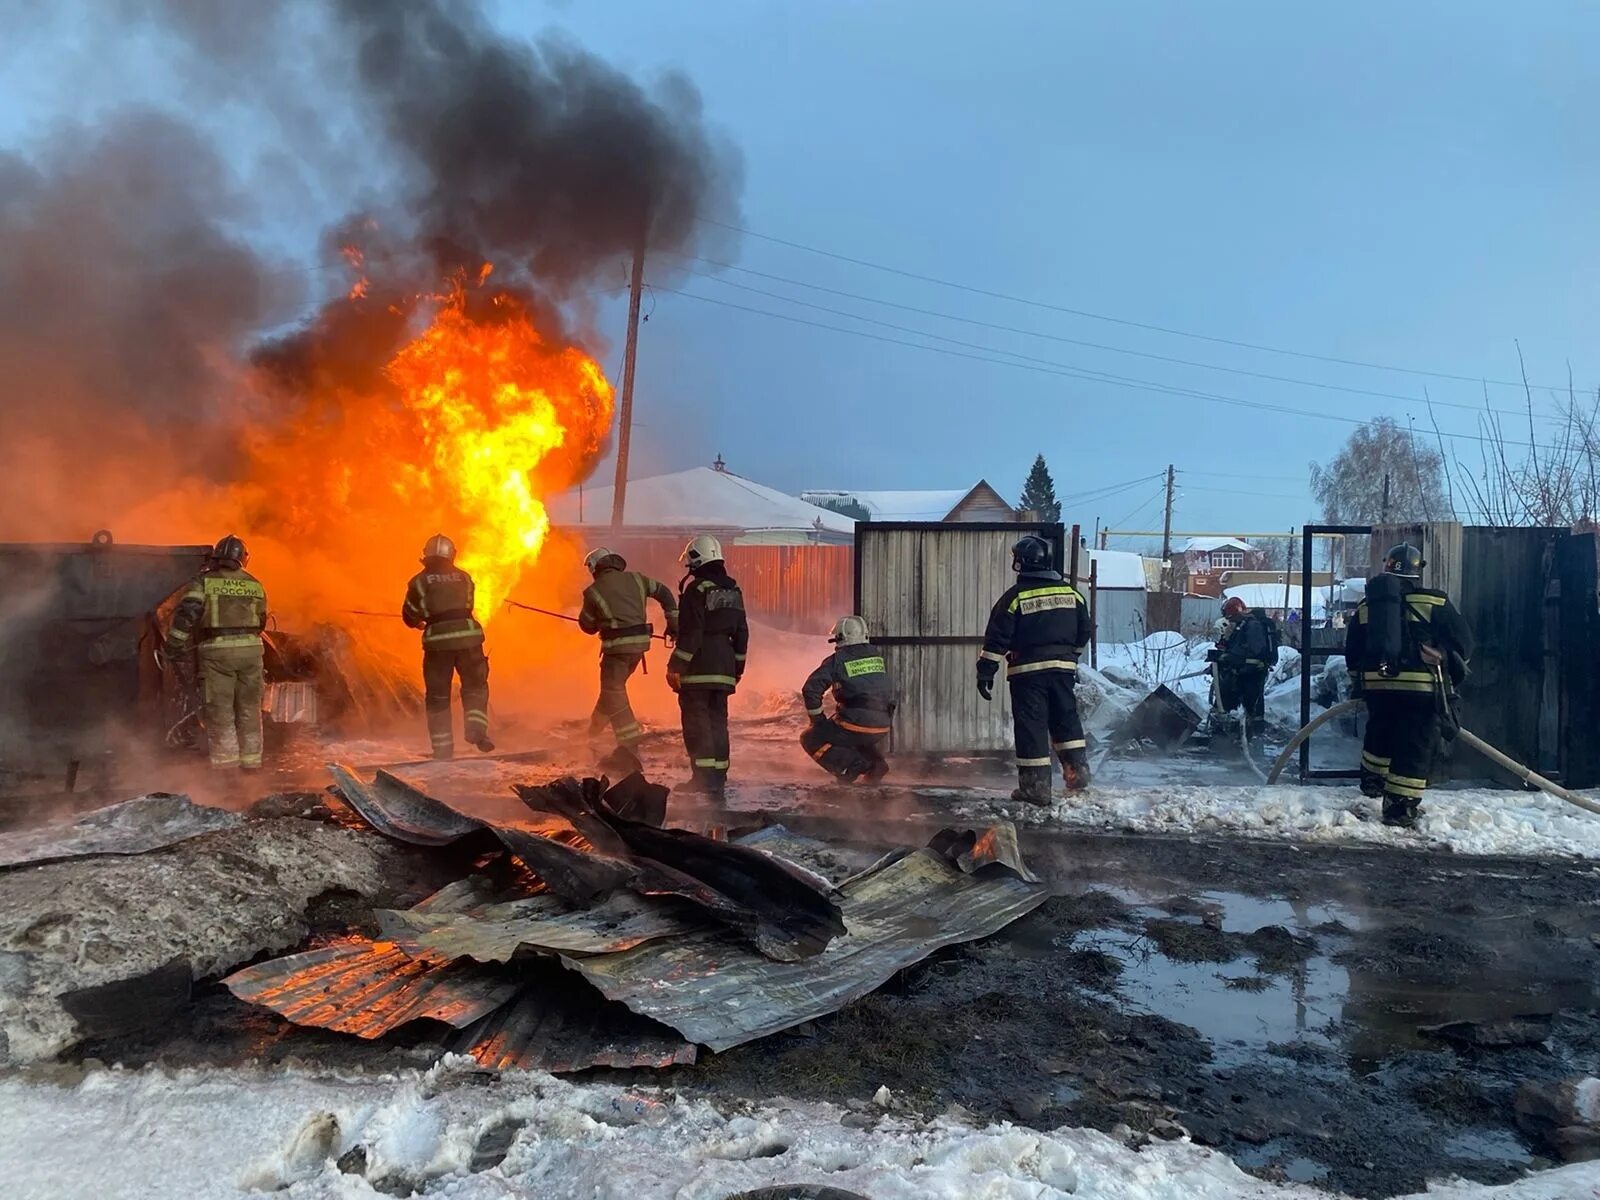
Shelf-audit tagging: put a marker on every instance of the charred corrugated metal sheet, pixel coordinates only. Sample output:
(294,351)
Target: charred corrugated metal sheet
(564,1029)
(372,988)
(714,991)
(398,810)
(495,932)
(970,851)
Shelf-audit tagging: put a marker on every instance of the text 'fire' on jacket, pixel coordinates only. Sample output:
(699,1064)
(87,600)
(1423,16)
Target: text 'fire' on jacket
(439,601)
(713,632)
(863,689)
(1040,623)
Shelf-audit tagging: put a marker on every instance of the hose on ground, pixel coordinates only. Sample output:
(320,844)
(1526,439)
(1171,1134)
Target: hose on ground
(1524,774)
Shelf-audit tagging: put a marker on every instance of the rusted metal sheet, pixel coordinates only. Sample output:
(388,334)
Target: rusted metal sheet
(716,992)
(291,703)
(971,851)
(495,932)
(372,988)
(562,1029)
(397,810)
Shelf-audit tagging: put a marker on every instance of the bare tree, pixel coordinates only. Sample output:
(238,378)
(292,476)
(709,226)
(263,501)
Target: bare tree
(1384,472)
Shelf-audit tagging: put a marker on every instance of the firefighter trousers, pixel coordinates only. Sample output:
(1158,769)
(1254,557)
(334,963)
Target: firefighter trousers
(705,729)
(439,669)
(847,753)
(1044,715)
(1397,753)
(613,707)
(231,684)
(1245,686)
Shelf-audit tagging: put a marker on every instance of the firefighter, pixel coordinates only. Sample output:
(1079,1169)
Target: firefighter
(1039,628)
(1246,651)
(614,606)
(220,619)
(1406,647)
(439,602)
(706,666)
(850,743)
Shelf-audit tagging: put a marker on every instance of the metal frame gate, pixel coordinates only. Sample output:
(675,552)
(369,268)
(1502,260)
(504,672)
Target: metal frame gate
(925,589)
(1310,653)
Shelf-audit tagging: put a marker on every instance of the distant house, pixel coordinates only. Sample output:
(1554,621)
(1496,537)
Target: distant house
(1121,582)
(1202,561)
(980,502)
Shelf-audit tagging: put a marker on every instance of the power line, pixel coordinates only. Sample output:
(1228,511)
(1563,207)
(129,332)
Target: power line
(1066,371)
(1052,337)
(1096,316)
(1161,494)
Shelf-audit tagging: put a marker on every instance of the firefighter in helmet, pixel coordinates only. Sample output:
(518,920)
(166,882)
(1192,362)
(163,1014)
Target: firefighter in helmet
(220,619)
(1246,652)
(439,602)
(614,606)
(1407,648)
(1039,628)
(706,666)
(849,744)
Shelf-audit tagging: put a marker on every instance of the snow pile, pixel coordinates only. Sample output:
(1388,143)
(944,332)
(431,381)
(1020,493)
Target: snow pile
(1469,821)
(227,1133)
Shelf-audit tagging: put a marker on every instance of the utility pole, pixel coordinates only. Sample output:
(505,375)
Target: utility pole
(619,493)
(1166,531)
(1383,511)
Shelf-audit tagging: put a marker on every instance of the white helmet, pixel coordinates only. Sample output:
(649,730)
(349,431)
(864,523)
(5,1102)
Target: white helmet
(849,631)
(439,546)
(599,555)
(700,551)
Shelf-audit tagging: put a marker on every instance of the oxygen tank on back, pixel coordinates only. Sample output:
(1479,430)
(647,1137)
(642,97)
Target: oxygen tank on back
(1386,599)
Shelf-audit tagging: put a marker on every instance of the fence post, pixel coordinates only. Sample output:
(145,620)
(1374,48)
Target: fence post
(1094,609)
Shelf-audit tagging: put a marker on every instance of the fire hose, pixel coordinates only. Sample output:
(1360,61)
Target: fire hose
(1525,775)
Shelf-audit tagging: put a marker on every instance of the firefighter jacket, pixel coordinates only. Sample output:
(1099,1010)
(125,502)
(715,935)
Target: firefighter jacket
(1040,623)
(862,689)
(1383,646)
(713,634)
(226,606)
(614,607)
(1250,642)
(439,602)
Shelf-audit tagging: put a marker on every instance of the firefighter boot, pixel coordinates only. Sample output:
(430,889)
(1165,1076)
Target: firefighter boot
(698,783)
(483,744)
(1400,812)
(1033,786)
(1075,767)
(878,769)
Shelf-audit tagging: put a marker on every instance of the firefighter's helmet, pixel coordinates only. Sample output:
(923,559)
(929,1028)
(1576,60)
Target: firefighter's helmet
(439,546)
(230,552)
(1404,560)
(1031,553)
(599,555)
(1233,607)
(700,551)
(849,631)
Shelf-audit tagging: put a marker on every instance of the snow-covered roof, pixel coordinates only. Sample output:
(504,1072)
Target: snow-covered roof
(1117,569)
(1207,544)
(1270,595)
(699,498)
(898,506)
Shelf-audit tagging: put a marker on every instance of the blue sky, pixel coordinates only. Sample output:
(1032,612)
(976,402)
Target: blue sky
(1400,184)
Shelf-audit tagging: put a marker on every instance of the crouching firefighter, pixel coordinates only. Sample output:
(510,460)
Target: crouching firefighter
(1039,628)
(220,618)
(706,666)
(614,606)
(849,744)
(439,602)
(1245,653)
(1407,648)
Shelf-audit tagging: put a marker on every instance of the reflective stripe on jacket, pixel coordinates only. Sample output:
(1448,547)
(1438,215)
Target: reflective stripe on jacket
(713,633)
(614,606)
(439,601)
(1429,620)
(862,689)
(1040,623)
(223,607)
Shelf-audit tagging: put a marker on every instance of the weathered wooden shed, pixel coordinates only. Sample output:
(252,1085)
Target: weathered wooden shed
(925,589)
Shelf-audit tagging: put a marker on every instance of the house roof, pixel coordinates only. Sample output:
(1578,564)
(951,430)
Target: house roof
(1270,595)
(699,498)
(1206,544)
(933,505)
(1117,569)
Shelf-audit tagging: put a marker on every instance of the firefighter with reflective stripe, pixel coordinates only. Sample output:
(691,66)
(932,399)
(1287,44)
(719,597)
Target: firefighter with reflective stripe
(220,619)
(849,744)
(1246,652)
(1039,628)
(1406,647)
(439,602)
(706,666)
(614,606)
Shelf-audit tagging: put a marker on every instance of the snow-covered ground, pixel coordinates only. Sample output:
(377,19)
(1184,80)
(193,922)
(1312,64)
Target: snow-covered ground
(224,1133)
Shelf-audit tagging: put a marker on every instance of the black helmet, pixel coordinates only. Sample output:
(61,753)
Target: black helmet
(1032,553)
(230,551)
(1404,560)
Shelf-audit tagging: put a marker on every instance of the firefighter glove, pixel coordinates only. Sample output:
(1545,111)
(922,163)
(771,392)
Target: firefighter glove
(674,680)
(986,688)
